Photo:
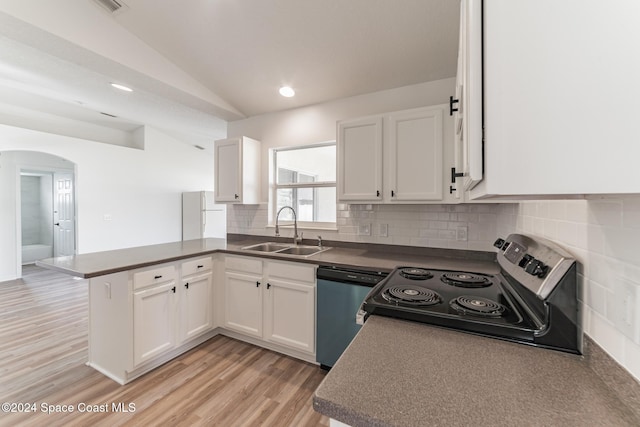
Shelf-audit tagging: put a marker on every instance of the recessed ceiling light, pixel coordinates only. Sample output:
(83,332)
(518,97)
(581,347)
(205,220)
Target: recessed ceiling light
(287,92)
(122,87)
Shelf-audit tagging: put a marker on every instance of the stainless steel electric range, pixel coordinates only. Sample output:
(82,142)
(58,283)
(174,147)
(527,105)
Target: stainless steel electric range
(532,300)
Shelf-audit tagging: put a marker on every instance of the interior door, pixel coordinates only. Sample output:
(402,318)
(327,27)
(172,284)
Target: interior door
(63,214)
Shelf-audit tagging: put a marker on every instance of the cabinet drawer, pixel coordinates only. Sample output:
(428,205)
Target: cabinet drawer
(292,271)
(196,266)
(243,264)
(153,275)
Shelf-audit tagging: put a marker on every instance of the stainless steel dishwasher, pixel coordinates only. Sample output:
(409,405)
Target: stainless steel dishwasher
(340,293)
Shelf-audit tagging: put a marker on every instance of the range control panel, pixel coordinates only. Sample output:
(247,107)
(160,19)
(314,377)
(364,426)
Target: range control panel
(516,253)
(536,263)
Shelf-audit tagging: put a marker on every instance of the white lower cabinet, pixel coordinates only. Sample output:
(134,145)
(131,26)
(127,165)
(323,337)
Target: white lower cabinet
(142,318)
(243,303)
(273,301)
(289,314)
(154,321)
(196,298)
(171,314)
(195,306)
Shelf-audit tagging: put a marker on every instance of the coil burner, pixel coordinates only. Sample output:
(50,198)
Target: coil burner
(466,280)
(410,295)
(478,306)
(415,273)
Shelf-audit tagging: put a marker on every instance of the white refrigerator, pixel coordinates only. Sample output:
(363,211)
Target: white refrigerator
(201,217)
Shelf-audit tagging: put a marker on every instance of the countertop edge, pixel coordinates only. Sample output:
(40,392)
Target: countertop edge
(345,415)
(120,269)
(337,256)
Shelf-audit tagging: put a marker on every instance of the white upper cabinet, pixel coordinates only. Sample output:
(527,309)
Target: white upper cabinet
(414,159)
(466,104)
(400,157)
(561,92)
(237,170)
(360,159)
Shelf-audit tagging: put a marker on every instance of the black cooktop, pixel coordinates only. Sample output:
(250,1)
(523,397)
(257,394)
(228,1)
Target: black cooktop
(533,299)
(468,301)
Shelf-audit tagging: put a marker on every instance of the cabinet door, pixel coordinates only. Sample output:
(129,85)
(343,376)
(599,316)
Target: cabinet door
(470,68)
(290,314)
(243,303)
(560,97)
(458,114)
(415,155)
(154,320)
(195,306)
(360,159)
(228,180)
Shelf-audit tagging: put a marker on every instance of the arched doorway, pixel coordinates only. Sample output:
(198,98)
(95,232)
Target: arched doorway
(39,198)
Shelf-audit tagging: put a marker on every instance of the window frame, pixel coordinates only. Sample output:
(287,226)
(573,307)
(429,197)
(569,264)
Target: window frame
(275,186)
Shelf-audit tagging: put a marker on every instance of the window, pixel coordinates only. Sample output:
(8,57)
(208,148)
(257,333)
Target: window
(305,179)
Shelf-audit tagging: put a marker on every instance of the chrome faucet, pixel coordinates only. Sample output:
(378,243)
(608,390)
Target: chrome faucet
(296,238)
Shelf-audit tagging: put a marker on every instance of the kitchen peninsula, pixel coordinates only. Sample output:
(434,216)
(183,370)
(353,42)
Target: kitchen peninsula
(149,304)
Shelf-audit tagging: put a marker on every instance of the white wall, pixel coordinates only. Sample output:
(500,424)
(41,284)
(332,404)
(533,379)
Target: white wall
(140,189)
(603,234)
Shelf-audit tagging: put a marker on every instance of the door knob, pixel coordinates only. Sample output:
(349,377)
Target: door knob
(57,223)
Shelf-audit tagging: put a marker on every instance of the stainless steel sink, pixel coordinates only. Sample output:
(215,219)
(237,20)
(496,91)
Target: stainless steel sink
(285,249)
(303,250)
(267,247)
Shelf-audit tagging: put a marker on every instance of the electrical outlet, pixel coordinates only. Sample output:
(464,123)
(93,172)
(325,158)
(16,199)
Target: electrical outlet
(383,230)
(364,230)
(461,233)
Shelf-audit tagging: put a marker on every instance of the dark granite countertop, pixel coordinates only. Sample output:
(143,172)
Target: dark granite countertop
(449,378)
(378,257)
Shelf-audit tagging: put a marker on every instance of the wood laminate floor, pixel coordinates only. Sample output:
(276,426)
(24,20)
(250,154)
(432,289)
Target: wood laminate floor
(223,382)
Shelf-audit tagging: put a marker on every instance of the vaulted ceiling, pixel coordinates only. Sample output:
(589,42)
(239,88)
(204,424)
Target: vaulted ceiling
(196,64)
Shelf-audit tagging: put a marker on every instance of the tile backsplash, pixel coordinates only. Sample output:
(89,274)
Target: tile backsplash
(604,235)
(463,226)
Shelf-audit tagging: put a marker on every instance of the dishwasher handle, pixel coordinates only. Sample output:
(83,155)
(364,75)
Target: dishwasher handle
(368,278)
